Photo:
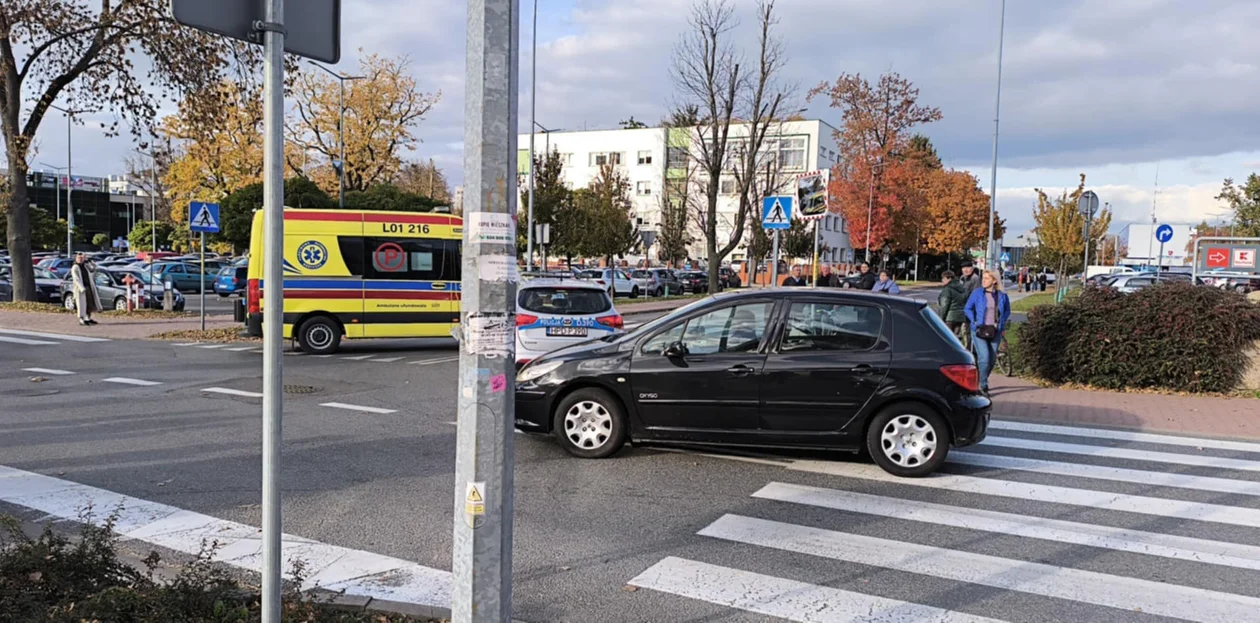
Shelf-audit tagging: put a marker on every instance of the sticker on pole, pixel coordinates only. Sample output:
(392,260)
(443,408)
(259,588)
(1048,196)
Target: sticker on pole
(492,335)
(491,228)
(203,217)
(776,212)
(475,504)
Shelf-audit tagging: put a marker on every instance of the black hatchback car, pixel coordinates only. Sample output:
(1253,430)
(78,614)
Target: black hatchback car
(774,368)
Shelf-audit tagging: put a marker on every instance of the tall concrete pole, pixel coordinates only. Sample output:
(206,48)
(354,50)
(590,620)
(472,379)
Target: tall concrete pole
(482,545)
(991,253)
(533,113)
(273,303)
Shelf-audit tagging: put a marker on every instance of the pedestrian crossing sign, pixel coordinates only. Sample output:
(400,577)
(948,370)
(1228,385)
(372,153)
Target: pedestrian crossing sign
(776,212)
(203,217)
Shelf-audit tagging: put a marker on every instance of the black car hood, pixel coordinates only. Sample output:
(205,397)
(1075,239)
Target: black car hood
(583,350)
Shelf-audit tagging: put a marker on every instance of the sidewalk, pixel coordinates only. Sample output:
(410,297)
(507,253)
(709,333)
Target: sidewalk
(112,327)
(1017,399)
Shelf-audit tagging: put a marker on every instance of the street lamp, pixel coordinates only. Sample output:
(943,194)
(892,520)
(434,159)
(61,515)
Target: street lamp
(69,180)
(529,235)
(997,109)
(57,183)
(870,209)
(152,195)
(340,165)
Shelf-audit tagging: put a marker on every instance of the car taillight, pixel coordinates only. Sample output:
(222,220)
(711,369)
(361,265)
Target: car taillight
(601,282)
(610,321)
(253,294)
(525,319)
(234,281)
(966,376)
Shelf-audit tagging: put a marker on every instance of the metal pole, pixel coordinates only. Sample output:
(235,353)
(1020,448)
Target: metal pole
(153,203)
(774,261)
(997,109)
(481,550)
(341,141)
(533,110)
(273,304)
(69,186)
(817,224)
(203,281)
(57,192)
(1085,270)
(870,212)
(1160,266)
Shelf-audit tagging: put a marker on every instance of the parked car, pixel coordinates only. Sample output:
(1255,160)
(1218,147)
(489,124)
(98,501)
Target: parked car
(668,282)
(820,369)
(111,288)
(185,277)
(554,313)
(1129,283)
(729,278)
(59,266)
(47,285)
(615,280)
(6,291)
(645,280)
(231,280)
(694,281)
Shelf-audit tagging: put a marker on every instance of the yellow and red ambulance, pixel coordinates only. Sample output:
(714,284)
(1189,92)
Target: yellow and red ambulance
(361,274)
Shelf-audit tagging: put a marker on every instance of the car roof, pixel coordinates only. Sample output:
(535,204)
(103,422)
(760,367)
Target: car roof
(836,293)
(551,282)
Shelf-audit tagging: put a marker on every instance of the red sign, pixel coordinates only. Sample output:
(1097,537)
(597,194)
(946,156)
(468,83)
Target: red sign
(389,258)
(1217,257)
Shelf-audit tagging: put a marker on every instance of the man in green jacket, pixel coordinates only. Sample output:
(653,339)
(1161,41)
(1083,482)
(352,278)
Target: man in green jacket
(951,302)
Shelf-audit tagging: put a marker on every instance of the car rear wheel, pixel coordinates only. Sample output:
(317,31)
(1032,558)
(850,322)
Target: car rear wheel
(319,336)
(590,424)
(224,294)
(67,300)
(120,303)
(634,292)
(908,440)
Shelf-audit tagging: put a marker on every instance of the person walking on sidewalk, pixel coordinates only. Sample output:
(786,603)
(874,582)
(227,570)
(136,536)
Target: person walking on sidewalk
(988,310)
(952,300)
(86,300)
(886,284)
(795,280)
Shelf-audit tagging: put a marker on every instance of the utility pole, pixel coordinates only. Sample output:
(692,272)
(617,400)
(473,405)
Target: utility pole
(991,252)
(481,550)
(533,113)
(69,178)
(341,131)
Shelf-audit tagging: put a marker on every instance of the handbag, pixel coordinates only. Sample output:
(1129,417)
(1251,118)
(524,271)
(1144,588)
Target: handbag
(986,331)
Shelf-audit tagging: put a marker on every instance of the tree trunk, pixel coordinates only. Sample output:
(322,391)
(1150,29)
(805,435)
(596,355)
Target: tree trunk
(710,233)
(20,233)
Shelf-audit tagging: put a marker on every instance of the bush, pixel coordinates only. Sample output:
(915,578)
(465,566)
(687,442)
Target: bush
(1171,336)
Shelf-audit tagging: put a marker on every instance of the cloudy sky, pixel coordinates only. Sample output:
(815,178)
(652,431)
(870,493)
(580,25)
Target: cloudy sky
(1116,89)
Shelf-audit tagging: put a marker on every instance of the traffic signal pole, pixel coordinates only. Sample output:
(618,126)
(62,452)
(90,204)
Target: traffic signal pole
(482,545)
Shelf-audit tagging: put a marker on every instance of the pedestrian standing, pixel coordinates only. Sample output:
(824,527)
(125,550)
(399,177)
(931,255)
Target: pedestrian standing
(825,278)
(886,284)
(970,278)
(988,309)
(83,284)
(1041,281)
(795,280)
(866,278)
(952,300)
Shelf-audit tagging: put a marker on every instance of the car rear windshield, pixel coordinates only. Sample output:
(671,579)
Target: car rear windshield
(591,274)
(564,301)
(640,274)
(942,329)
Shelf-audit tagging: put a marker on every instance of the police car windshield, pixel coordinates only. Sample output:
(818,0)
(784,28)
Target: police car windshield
(562,301)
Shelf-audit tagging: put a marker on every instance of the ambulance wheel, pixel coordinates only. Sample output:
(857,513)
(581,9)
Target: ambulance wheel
(319,335)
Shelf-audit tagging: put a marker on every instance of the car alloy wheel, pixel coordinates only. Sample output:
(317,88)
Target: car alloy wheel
(588,425)
(67,301)
(120,303)
(908,440)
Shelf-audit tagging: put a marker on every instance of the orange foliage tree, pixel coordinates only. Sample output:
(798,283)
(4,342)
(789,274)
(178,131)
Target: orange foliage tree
(955,213)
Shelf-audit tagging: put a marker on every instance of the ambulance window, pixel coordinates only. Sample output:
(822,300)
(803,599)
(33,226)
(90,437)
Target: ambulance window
(352,254)
(451,264)
(403,259)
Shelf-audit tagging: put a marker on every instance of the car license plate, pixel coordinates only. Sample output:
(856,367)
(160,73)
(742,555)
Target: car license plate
(566,331)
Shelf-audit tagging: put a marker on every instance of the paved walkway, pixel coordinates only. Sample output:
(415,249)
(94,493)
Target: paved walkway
(1194,415)
(112,327)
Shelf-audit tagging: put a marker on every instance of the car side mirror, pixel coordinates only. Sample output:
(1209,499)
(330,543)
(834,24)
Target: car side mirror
(677,349)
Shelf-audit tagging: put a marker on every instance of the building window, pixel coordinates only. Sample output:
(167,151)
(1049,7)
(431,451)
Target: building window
(601,158)
(792,154)
(645,157)
(643,189)
(566,159)
(677,158)
(726,186)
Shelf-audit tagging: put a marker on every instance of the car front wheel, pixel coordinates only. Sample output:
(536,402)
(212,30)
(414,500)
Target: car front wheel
(67,300)
(120,303)
(908,440)
(634,292)
(319,336)
(590,423)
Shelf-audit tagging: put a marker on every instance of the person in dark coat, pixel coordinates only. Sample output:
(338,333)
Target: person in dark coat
(952,300)
(827,279)
(866,279)
(970,278)
(795,280)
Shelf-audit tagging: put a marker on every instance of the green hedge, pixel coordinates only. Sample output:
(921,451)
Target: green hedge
(1171,336)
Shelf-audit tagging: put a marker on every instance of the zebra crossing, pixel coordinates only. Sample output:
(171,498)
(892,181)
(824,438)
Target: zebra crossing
(41,338)
(1039,522)
(425,359)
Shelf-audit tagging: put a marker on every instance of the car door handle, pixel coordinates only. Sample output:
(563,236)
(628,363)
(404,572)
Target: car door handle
(740,370)
(862,369)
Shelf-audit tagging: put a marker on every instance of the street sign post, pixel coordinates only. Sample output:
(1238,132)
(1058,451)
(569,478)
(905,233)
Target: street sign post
(1088,205)
(1236,255)
(311,29)
(1006,257)
(1163,234)
(203,218)
(649,238)
(542,234)
(776,215)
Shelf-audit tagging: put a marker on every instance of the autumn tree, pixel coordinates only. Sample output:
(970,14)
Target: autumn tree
(1060,229)
(955,214)
(121,56)
(673,238)
(424,178)
(552,199)
(381,114)
(603,225)
(1244,201)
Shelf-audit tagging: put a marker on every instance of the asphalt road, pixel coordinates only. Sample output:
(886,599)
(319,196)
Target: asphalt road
(215,304)
(1033,525)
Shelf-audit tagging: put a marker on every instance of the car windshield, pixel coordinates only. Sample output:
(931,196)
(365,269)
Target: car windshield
(144,276)
(590,274)
(563,301)
(41,273)
(641,274)
(692,275)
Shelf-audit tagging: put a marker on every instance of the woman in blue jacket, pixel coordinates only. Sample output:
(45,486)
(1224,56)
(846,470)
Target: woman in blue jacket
(987,310)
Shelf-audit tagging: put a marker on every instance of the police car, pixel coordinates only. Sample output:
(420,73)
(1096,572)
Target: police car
(554,313)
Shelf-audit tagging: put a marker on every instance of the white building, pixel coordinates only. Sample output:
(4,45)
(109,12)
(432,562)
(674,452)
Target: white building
(1143,248)
(658,164)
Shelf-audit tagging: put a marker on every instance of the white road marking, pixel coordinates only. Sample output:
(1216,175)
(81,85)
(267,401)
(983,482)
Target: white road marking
(1161,507)
(515,430)
(55,336)
(258,351)
(328,566)
(48,371)
(342,405)
(386,360)
(209,346)
(1123,453)
(1122,435)
(429,362)
(783,598)
(26,342)
(321,356)
(1090,535)
(126,381)
(232,392)
(1099,472)
(358,357)
(1102,589)
(187,344)
(240,349)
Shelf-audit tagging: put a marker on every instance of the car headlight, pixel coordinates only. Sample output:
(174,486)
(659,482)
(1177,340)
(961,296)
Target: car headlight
(536,371)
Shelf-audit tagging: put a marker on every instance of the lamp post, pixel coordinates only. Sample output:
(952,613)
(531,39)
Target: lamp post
(56,184)
(340,165)
(997,109)
(529,236)
(69,112)
(870,210)
(152,195)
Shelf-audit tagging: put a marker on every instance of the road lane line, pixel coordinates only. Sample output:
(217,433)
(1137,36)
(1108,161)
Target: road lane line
(348,407)
(784,598)
(1092,587)
(187,344)
(51,371)
(1162,507)
(1122,453)
(239,349)
(209,346)
(386,360)
(232,392)
(1090,535)
(55,336)
(1100,472)
(358,357)
(327,566)
(1122,435)
(26,342)
(429,362)
(126,381)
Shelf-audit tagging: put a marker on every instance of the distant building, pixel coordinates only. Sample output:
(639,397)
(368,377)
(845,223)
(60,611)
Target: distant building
(658,164)
(98,209)
(1143,248)
(457,201)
